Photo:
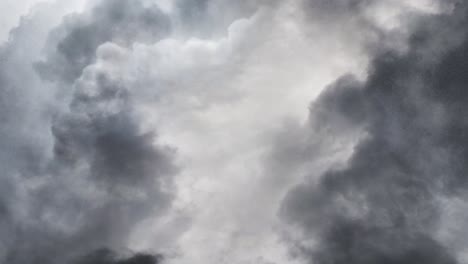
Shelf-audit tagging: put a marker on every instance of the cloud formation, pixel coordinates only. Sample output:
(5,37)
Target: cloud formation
(94,173)
(86,167)
(174,128)
(105,256)
(384,204)
(80,35)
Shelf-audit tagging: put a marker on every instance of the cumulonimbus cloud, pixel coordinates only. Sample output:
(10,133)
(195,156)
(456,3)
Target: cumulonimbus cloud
(384,205)
(83,98)
(104,173)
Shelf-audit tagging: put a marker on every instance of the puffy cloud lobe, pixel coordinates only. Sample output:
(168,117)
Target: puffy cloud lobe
(383,206)
(120,21)
(100,170)
(103,129)
(98,173)
(208,18)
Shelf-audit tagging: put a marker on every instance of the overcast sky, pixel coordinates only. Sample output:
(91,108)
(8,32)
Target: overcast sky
(233,132)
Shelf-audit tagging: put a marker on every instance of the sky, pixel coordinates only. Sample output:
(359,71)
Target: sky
(233,132)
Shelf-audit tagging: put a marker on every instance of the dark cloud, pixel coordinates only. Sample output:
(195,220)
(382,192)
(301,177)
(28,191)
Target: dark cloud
(351,242)
(342,15)
(106,256)
(385,24)
(111,141)
(80,178)
(120,21)
(342,104)
(383,206)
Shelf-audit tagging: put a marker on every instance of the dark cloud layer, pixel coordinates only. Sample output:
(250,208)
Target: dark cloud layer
(383,206)
(106,256)
(98,173)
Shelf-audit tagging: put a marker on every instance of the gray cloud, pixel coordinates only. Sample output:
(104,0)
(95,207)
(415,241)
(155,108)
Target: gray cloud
(383,206)
(105,256)
(210,18)
(336,9)
(86,178)
(120,21)
(80,177)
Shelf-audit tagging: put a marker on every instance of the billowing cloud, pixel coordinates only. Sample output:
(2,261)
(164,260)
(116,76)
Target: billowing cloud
(143,132)
(86,167)
(111,21)
(89,172)
(384,204)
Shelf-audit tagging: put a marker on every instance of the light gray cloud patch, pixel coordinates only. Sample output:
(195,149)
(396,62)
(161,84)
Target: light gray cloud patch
(210,18)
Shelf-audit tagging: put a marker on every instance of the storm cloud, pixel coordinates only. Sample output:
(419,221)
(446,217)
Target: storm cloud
(160,131)
(95,173)
(105,256)
(78,38)
(384,205)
